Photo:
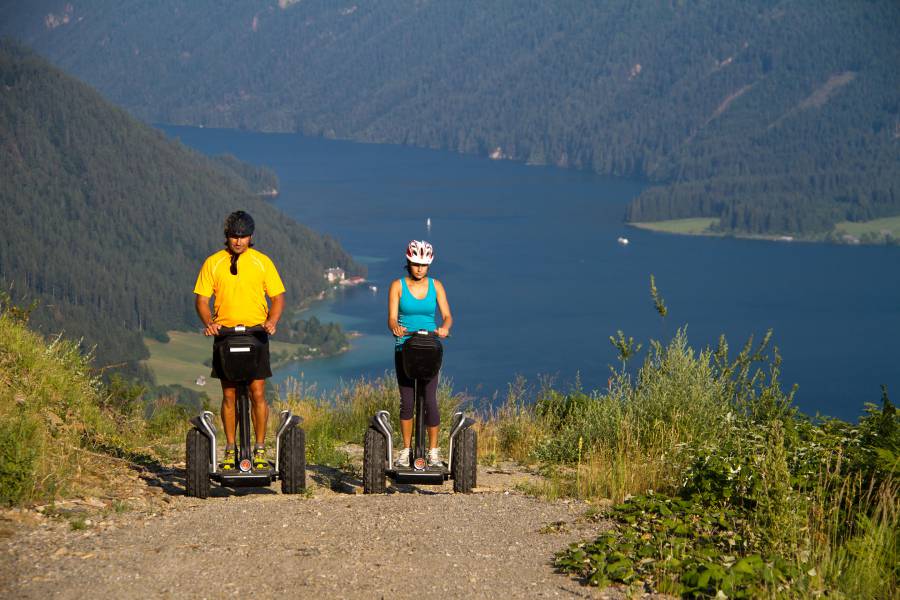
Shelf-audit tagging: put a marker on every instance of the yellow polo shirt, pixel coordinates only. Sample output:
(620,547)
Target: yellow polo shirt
(241,298)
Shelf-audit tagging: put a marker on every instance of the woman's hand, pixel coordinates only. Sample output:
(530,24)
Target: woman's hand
(442,332)
(398,330)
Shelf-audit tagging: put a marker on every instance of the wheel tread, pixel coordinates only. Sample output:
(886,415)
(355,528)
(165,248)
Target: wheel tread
(465,461)
(374,450)
(292,461)
(196,480)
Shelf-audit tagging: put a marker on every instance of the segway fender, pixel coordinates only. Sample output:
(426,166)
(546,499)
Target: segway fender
(286,419)
(204,424)
(382,423)
(458,423)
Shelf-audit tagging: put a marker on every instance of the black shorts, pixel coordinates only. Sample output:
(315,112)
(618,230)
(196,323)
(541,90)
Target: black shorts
(262,369)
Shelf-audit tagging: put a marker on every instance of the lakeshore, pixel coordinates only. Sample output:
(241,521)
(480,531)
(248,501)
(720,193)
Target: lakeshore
(876,232)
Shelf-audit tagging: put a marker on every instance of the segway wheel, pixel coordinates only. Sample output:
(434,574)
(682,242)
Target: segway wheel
(465,461)
(374,451)
(292,462)
(197,463)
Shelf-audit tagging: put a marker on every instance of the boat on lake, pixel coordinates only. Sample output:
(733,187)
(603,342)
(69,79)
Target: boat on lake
(623,241)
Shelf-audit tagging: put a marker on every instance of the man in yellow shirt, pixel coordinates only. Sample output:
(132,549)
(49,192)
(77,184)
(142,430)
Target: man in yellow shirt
(240,278)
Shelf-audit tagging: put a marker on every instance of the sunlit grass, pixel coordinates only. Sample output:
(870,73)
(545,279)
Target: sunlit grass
(696,226)
(875,227)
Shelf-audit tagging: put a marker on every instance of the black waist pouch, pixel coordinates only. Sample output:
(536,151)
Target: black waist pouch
(239,355)
(422,356)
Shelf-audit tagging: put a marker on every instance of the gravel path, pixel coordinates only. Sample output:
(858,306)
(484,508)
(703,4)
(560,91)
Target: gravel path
(332,543)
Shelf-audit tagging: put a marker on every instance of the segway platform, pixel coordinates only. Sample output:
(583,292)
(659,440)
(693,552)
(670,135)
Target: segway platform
(251,478)
(432,476)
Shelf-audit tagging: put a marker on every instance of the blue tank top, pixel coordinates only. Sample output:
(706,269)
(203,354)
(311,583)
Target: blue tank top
(415,314)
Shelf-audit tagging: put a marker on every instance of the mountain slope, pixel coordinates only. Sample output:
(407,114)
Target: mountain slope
(774,115)
(107,221)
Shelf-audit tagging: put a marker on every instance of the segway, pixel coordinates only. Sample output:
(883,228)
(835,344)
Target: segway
(421,358)
(237,350)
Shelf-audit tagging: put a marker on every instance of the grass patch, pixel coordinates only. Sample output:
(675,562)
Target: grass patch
(55,415)
(696,226)
(886,230)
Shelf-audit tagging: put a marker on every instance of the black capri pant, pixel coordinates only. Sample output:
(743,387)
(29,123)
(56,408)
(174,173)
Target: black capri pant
(408,395)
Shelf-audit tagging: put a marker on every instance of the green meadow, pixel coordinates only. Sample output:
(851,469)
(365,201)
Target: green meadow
(876,227)
(700,226)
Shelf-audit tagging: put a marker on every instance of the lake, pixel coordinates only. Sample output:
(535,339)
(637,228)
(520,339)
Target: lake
(537,281)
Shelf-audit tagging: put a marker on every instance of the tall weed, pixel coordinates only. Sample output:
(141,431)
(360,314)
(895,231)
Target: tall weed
(51,408)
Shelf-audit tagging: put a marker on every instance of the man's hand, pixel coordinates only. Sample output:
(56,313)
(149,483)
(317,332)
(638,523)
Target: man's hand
(269,326)
(211,329)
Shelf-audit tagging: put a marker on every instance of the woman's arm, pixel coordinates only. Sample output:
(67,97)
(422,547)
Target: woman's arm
(447,319)
(394,309)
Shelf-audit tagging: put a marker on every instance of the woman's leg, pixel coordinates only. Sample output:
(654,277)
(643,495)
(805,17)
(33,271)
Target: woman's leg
(406,427)
(432,412)
(407,399)
(433,436)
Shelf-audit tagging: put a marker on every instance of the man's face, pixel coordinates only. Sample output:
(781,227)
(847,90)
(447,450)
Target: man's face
(237,245)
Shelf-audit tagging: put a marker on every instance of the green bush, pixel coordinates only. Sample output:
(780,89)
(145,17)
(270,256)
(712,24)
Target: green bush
(20,450)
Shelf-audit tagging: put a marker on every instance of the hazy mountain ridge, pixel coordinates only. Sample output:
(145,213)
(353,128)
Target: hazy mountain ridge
(109,221)
(705,99)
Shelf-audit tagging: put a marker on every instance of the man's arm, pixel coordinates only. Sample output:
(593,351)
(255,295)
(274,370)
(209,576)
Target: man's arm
(201,303)
(274,314)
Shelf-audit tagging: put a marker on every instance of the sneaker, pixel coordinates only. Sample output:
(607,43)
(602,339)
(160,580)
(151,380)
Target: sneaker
(228,462)
(434,458)
(260,462)
(402,459)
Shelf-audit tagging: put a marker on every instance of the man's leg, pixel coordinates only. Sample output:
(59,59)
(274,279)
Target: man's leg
(259,410)
(228,414)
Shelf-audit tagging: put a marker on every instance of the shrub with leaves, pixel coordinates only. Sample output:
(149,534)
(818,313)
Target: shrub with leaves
(681,547)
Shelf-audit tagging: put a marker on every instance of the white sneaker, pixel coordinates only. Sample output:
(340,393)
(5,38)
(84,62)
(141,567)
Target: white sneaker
(434,458)
(402,459)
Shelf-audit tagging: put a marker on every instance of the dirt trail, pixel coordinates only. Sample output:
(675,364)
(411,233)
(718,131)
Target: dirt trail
(332,543)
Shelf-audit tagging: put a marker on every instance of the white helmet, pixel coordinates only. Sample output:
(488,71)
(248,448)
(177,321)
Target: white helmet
(419,253)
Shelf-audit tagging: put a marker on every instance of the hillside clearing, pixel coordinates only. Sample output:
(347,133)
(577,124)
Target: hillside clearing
(694,226)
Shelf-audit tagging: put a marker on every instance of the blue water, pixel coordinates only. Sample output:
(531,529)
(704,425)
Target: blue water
(537,282)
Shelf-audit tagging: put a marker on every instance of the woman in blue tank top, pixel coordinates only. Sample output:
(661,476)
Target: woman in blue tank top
(412,303)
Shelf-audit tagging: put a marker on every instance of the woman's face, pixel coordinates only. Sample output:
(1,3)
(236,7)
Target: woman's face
(418,271)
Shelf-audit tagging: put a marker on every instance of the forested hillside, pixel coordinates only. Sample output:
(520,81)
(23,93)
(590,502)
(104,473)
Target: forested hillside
(106,221)
(777,116)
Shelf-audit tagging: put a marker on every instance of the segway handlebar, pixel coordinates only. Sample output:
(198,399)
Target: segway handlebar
(424,332)
(240,329)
